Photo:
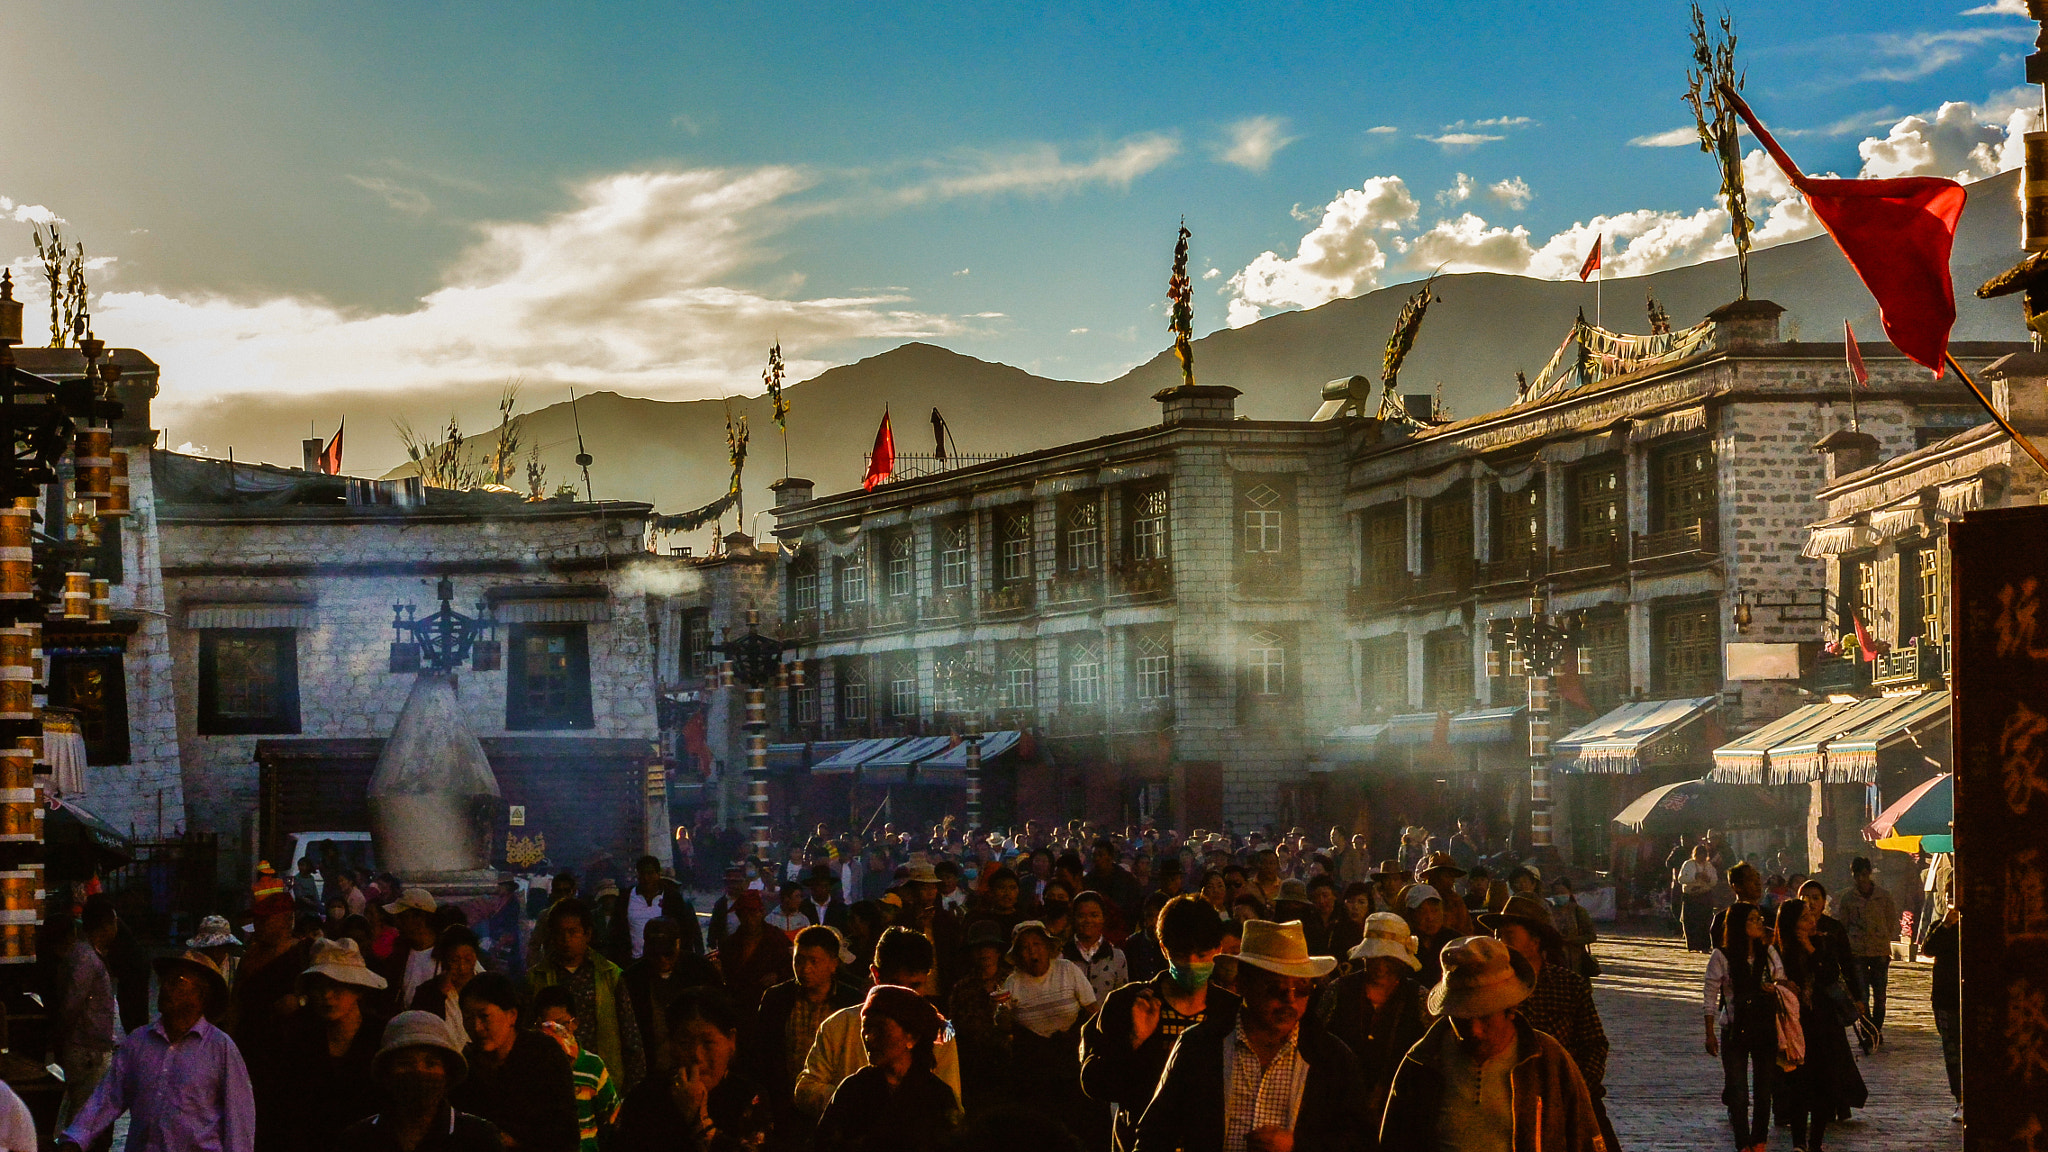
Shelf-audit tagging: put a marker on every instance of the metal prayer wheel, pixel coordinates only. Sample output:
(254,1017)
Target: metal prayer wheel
(17,674)
(21,816)
(94,475)
(78,596)
(17,769)
(102,601)
(117,503)
(17,943)
(17,554)
(2034,193)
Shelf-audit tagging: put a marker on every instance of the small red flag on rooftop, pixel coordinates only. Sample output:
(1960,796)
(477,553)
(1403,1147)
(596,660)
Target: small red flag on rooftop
(1592,263)
(330,456)
(881,461)
(1855,355)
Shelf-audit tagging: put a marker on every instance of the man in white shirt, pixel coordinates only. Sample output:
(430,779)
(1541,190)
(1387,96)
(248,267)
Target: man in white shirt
(1696,880)
(788,913)
(902,956)
(1049,992)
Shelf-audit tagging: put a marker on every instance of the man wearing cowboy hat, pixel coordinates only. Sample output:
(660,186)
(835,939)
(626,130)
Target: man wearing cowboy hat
(1265,1082)
(417,1063)
(1387,881)
(1439,872)
(1377,1009)
(1561,1001)
(1481,1077)
(181,1079)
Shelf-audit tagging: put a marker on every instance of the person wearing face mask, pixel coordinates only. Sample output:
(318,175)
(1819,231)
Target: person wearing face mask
(1124,1047)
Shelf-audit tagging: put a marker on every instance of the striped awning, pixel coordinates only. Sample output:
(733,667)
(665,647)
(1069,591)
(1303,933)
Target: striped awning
(1852,757)
(848,759)
(1803,759)
(993,744)
(252,614)
(1747,760)
(1619,742)
(550,603)
(1414,727)
(892,765)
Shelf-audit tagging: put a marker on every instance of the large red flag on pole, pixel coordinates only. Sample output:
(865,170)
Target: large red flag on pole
(881,461)
(1897,235)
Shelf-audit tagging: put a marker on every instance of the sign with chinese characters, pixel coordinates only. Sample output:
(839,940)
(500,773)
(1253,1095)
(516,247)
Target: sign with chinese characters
(2000,561)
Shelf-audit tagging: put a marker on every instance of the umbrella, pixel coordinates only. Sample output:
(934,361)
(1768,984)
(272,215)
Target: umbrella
(1920,820)
(66,825)
(1691,804)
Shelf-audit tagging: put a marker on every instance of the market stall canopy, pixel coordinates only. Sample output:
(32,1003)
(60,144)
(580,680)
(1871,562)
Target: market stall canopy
(892,765)
(1861,727)
(848,759)
(1417,727)
(1352,744)
(1914,724)
(1636,735)
(66,825)
(1919,821)
(993,744)
(1691,805)
(1748,760)
(786,757)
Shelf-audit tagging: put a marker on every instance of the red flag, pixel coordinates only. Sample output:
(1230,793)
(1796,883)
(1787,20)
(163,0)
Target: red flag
(1870,649)
(882,461)
(1897,235)
(330,456)
(1592,263)
(1856,367)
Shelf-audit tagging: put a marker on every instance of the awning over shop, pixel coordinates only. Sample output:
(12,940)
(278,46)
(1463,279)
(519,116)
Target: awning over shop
(1852,757)
(851,758)
(1415,727)
(1748,759)
(786,757)
(892,765)
(1803,759)
(1638,733)
(1486,725)
(1352,744)
(993,744)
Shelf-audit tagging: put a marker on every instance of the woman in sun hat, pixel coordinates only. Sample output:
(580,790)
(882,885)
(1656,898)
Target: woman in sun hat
(1377,1009)
(317,1079)
(218,941)
(415,1066)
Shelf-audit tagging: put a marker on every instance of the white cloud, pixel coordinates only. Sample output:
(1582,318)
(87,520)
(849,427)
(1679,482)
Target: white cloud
(1455,140)
(28,213)
(1925,53)
(1495,122)
(1513,192)
(1340,256)
(1077,331)
(1669,138)
(1998,8)
(400,198)
(1959,140)
(641,285)
(1251,143)
(1212,273)
(1041,170)
(1381,130)
(1461,189)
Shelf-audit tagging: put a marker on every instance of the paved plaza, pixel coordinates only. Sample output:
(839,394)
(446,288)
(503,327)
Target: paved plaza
(1664,1091)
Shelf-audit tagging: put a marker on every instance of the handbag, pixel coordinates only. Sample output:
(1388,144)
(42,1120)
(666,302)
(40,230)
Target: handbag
(1589,965)
(1841,1006)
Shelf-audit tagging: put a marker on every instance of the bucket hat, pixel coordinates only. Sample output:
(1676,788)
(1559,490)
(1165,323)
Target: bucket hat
(217,983)
(1482,976)
(1387,935)
(342,962)
(1527,911)
(214,933)
(420,1030)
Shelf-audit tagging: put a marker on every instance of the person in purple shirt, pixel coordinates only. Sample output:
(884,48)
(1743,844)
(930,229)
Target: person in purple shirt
(180,1079)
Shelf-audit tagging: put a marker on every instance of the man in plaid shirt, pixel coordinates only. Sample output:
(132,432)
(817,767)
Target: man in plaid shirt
(1562,1002)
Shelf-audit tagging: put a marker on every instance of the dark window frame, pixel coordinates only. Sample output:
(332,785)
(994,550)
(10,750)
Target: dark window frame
(1683,488)
(1599,495)
(105,727)
(1518,521)
(283,719)
(1669,650)
(574,712)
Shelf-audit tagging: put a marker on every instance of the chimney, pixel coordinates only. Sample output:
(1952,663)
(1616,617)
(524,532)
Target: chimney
(791,491)
(1847,452)
(310,449)
(1197,404)
(1746,324)
(2019,389)
(1420,406)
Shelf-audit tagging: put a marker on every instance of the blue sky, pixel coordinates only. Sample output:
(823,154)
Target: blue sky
(411,204)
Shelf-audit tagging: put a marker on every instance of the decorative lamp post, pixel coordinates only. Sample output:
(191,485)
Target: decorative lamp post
(972,686)
(442,641)
(755,661)
(1542,643)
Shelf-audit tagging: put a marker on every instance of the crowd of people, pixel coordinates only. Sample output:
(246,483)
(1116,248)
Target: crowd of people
(1058,987)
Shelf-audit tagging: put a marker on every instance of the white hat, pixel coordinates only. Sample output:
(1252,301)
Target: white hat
(1281,948)
(418,1029)
(412,899)
(342,962)
(214,933)
(1387,935)
(1417,893)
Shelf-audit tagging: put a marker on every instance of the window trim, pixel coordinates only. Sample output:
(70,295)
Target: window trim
(285,718)
(576,713)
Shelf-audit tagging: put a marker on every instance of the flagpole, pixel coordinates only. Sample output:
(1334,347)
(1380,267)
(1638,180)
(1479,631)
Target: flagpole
(1600,274)
(2003,424)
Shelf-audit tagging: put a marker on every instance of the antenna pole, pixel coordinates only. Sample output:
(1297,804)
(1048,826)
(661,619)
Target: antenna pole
(582,457)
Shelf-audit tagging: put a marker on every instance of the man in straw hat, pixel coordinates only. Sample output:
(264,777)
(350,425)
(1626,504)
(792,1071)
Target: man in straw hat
(1481,1077)
(1265,1082)
(1377,1008)
(1561,1001)
(180,1078)
(417,1063)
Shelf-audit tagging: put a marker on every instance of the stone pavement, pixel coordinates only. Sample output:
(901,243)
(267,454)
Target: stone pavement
(1664,1091)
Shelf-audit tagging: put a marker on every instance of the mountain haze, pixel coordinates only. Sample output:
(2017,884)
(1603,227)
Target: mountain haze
(1486,328)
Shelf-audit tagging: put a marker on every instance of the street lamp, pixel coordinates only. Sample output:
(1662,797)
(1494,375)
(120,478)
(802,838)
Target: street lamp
(755,661)
(972,686)
(1542,643)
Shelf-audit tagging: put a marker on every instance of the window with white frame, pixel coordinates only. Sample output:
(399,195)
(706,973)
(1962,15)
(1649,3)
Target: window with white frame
(1148,525)
(853,692)
(807,704)
(1263,521)
(903,703)
(1152,667)
(1019,686)
(1084,537)
(1083,672)
(1265,661)
(804,590)
(953,544)
(853,580)
(902,571)
(1013,560)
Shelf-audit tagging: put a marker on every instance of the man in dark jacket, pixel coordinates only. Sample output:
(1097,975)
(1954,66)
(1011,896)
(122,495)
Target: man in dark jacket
(1482,1070)
(825,905)
(1124,1046)
(780,1035)
(1265,1083)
